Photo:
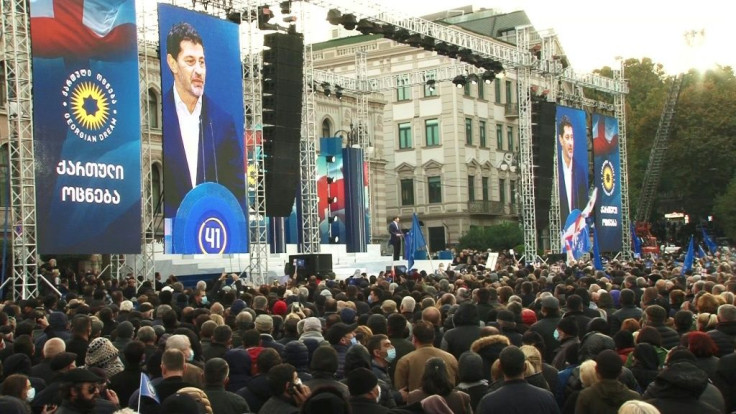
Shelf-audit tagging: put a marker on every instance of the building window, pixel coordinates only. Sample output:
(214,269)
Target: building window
(509,92)
(497,91)
(512,183)
(4,176)
(499,137)
(156,188)
(469,131)
(403,89)
(481,92)
(502,191)
(434,189)
(482,133)
(510,137)
(466,88)
(407,192)
(484,187)
(471,188)
(326,128)
(432,132)
(430,88)
(153,109)
(405,135)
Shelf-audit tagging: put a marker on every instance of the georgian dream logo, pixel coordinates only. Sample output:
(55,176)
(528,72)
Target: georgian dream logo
(90,105)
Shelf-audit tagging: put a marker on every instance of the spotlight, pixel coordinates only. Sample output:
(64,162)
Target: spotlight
(335,239)
(460,81)
(264,15)
(333,219)
(428,43)
(488,76)
(431,84)
(349,21)
(473,78)
(338,92)
(452,50)
(330,158)
(235,17)
(332,200)
(326,88)
(334,16)
(366,26)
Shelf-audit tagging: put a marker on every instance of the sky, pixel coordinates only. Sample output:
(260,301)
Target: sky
(594,33)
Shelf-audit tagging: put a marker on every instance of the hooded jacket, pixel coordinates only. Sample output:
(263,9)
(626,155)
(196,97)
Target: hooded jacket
(489,348)
(604,397)
(677,388)
(467,329)
(725,337)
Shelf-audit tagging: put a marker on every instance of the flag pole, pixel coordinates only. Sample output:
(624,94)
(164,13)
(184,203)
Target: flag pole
(140,391)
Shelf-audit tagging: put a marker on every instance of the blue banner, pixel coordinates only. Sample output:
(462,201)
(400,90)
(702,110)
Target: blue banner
(331,191)
(86,128)
(203,139)
(607,168)
(572,161)
(355,224)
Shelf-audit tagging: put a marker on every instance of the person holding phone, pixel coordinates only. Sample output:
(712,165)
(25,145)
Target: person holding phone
(287,391)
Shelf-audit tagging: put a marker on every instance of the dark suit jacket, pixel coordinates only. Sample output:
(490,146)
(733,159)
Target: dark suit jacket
(221,154)
(395,230)
(579,194)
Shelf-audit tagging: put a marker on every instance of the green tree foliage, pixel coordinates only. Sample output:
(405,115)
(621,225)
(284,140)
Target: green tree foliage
(497,237)
(725,210)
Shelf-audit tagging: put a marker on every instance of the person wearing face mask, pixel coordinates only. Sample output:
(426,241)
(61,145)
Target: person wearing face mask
(364,392)
(567,335)
(287,391)
(193,374)
(341,337)
(383,353)
(79,391)
(18,386)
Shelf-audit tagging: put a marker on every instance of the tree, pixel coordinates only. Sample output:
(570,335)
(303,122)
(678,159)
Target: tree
(725,210)
(497,237)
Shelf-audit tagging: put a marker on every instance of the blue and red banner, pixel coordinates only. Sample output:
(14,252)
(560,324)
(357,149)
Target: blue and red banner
(607,168)
(86,112)
(204,166)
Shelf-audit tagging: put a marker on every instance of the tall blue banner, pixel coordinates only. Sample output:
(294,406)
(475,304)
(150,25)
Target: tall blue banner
(86,113)
(205,205)
(607,167)
(572,160)
(331,191)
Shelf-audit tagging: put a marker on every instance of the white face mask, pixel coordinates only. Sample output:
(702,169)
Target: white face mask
(378,397)
(31,394)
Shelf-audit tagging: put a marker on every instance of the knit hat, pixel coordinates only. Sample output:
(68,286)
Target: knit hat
(58,320)
(237,307)
(296,354)
(326,292)
(102,353)
(528,317)
(279,308)
(264,323)
(468,367)
(361,381)
(312,324)
(347,315)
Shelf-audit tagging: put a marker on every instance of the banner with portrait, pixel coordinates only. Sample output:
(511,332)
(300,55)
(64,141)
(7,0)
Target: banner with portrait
(86,126)
(607,167)
(205,202)
(572,160)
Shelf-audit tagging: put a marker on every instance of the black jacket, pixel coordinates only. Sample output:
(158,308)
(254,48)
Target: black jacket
(362,405)
(677,389)
(725,337)
(225,402)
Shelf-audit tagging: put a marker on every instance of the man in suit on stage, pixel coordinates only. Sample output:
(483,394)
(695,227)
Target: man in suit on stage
(573,182)
(200,141)
(397,237)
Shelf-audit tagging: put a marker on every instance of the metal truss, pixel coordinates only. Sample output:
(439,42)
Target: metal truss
(620,103)
(310,241)
(361,72)
(526,159)
(17,57)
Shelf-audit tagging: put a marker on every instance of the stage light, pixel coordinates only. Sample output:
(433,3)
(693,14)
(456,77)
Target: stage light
(366,26)
(338,92)
(332,200)
(330,158)
(285,7)
(473,78)
(460,81)
(452,50)
(431,84)
(335,239)
(334,16)
(235,17)
(349,21)
(326,88)
(488,76)
(264,15)
(333,219)
(428,43)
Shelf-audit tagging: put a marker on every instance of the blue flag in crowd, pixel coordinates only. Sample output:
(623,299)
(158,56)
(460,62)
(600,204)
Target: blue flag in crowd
(701,252)
(712,246)
(147,389)
(597,262)
(689,257)
(637,243)
(416,240)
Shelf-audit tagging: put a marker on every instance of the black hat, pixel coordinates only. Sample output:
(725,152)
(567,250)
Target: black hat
(337,331)
(80,375)
(361,381)
(62,360)
(608,364)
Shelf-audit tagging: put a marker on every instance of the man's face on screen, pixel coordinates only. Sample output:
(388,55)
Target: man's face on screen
(189,70)
(567,143)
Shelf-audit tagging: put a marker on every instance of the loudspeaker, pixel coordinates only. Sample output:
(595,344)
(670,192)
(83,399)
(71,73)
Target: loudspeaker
(282,82)
(317,264)
(543,141)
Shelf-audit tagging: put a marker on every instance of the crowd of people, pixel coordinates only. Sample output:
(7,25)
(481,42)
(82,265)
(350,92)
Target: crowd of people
(637,337)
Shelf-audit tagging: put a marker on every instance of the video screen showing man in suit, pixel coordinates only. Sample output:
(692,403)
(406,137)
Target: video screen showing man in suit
(573,174)
(204,188)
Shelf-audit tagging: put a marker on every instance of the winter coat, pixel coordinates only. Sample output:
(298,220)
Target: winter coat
(725,337)
(489,347)
(604,397)
(467,329)
(677,388)
(725,380)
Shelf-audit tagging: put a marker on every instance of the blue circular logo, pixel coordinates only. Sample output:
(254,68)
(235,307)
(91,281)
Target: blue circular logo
(212,236)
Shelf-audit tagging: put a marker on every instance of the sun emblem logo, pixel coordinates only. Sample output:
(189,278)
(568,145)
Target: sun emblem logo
(608,178)
(90,106)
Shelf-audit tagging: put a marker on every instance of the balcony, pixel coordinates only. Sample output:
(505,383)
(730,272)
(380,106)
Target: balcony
(511,110)
(494,208)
